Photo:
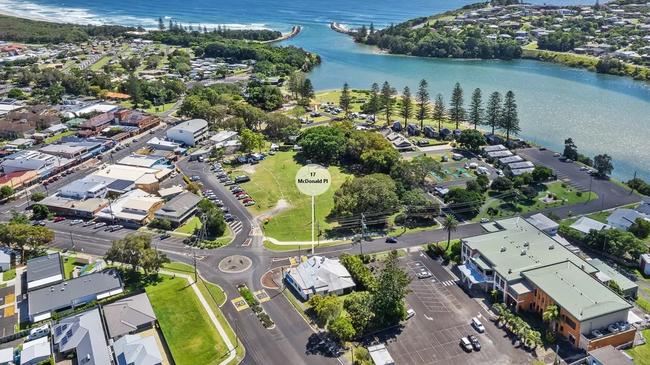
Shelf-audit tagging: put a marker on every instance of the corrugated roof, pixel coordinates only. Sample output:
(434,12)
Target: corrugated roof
(44,267)
(126,315)
(623,282)
(577,292)
(84,334)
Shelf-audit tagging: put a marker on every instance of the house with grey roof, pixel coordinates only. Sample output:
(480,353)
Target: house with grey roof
(36,351)
(129,315)
(623,218)
(6,258)
(137,350)
(179,208)
(607,274)
(44,270)
(319,275)
(83,335)
(586,225)
(544,223)
(72,293)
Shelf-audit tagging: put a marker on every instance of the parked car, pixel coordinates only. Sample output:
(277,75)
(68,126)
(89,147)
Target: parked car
(39,332)
(478,326)
(39,223)
(242,179)
(613,328)
(424,275)
(224,209)
(475,343)
(234,187)
(164,236)
(242,196)
(195,178)
(76,221)
(465,344)
(391,239)
(59,219)
(99,225)
(87,223)
(228,217)
(410,313)
(249,203)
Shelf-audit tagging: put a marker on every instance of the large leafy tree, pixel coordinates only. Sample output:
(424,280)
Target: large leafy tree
(374,103)
(509,116)
(326,308)
(412,173)
(135,250)
(388,296)
(215,225)
(570,149)
(25,237)
(357,305)
(471,139)
(323,144)
(406,110)
(342,328)
(476,108)
(422,99)
(250,140)
(603,165)
(456,110)
(374,193)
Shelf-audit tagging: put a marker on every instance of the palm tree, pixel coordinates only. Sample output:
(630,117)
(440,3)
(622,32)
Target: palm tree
(450,224)
(501,312)
(532,339)
(551,314)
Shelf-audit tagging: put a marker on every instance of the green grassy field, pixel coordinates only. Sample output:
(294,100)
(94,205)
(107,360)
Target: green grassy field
(191,337)
(189,226)
(97,66)
(57,137)
(68,267)
(271,246)
(9,275)
(641,354)
(273,180)
(564,196)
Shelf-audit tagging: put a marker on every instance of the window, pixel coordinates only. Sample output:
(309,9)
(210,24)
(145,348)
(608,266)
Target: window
(571,323)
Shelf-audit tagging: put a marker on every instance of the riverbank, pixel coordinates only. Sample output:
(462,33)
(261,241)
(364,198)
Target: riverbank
(295,30)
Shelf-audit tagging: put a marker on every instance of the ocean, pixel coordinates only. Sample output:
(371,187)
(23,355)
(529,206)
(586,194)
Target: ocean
(602,113)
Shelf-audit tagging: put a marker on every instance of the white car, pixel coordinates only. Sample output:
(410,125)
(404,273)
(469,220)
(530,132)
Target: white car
(76,221)
(39,332)
(478,325)
(410,313)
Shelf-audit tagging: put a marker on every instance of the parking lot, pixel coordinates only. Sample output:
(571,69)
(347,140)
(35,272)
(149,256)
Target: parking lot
(443,315)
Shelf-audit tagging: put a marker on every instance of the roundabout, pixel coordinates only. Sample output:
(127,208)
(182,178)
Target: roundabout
(235,264)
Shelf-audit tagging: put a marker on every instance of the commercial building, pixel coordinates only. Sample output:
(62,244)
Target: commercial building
(147,179)
(189,132)
(77,148)
(179,208)
(128,316)
(135,208)
(147,161)
(89,187)
(18,179)
(531,271)
(72,293)
(544,223)
(83,208)
(83,335)
(160,144)
(41,163)
(95,124)
(319,275)
(136,119)
(44,270)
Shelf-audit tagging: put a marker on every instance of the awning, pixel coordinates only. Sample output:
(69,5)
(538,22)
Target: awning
(473,275)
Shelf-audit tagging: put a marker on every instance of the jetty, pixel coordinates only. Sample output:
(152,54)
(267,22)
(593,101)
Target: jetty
(295,30)
(338,27)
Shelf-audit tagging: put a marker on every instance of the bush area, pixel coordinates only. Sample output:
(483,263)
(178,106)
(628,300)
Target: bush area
(32,31)
(255,306)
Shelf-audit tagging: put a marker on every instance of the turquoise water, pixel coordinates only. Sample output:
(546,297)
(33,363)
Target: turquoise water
(603,114)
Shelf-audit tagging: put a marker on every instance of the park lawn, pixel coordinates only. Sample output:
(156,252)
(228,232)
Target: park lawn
(68,266)
(160,108)
(97,66)
(565,195)
(57,137)
(641,354)
(191,337)
(179,267)
(274,179)
(213,289)
(189,226)
(9,275)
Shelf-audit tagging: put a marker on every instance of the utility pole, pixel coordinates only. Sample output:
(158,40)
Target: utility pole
(72,242)
(194,262)
(364,228)
(591,179)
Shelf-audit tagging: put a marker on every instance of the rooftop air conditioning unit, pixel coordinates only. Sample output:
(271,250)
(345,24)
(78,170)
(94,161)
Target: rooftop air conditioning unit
(503,248)
(523,252)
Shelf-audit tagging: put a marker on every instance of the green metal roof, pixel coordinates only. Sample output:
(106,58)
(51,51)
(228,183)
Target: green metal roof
(577,292)
(481,263)
(623,282)
(519,246)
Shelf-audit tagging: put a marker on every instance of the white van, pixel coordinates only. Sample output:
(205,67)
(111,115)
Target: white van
(39,332)
(483,170)
(410,313)
(478,325)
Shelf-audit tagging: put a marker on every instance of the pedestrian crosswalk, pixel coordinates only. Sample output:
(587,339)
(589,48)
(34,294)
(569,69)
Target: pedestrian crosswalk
(235,226)
(448,282)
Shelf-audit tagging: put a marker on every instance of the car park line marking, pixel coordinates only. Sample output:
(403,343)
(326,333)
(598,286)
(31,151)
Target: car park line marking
(428,318)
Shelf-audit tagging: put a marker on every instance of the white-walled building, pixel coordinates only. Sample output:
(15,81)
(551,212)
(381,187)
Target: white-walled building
(189,132)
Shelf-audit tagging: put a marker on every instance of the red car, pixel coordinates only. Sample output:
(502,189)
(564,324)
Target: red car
(58,219)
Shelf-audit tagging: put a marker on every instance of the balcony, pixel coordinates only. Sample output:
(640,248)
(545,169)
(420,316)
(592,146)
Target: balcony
(615,334)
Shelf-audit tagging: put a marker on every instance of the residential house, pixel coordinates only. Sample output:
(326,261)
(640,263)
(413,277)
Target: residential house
(608,355)
(18,122)
(82,335)
(319,275)
(607,274)
(137,350)
(586,224)
(129,315)
(72,293)
(623,218)
(36,351)
(44,271)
